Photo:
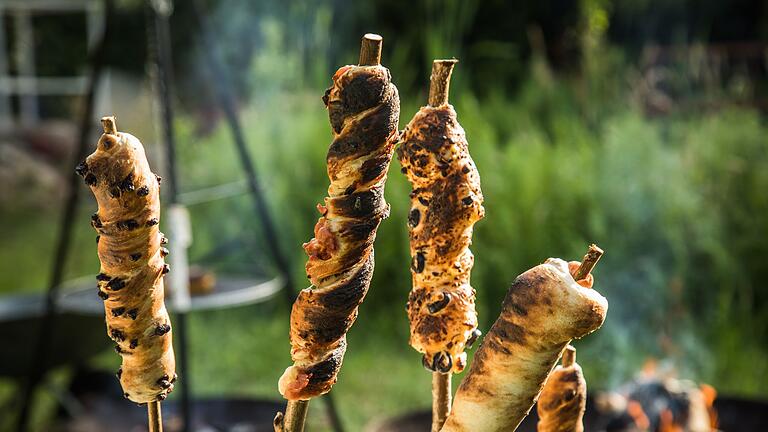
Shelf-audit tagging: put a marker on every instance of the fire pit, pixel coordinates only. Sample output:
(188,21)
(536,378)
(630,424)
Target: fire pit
(734,414)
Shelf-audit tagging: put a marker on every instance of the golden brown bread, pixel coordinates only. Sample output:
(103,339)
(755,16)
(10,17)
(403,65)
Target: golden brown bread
(542,311)
(446,201)
(563,399)
(364,108)
(132,265)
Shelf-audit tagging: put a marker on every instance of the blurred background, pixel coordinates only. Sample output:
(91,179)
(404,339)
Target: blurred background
(639,125)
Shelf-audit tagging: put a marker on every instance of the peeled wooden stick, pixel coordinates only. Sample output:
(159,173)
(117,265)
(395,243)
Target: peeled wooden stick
(294,418)
(296,409)
(588,262)
(155,417)
(370,50)
(440,81)
(439,84)
(441,399)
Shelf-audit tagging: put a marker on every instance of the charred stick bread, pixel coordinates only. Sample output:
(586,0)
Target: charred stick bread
(132,266)
(446,201)
(563,400)
(543,310)
(364,108)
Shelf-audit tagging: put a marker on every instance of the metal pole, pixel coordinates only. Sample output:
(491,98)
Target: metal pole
(161,11)
(25,61)
(228,105)
(6,113)
(68,214)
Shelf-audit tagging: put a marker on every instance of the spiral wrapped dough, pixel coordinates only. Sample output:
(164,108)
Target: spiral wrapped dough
(363,107)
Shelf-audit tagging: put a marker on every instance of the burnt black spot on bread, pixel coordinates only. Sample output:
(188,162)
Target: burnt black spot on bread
(96,221)
(323,374)
(142,191)
(116,284)
(418,262)
(162,329)
(81,169)
(440,304)
(133,313)
(135,256)
(134,343)
(116,312)
(103,295)
(90,179)
(164,382)
(102,277)
(414,217)
(152,222)
(127,225)
(374,168)
(370,133)
(117,335)
(364,91)
(126,185)
(359,204)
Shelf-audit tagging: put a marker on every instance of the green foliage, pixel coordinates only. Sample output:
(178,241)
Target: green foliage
(675,203)
(678,203)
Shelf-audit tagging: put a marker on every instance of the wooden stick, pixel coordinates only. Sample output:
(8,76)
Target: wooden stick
(441,399)
(296,411)
(569,356)
(109,125)
(440,81)
(370,50)
(588,263)
(294,418)
(155,416)
(439,84)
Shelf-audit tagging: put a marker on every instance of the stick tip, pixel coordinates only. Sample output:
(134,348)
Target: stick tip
(370,50)
(440,81)
(569,356)
(109,124)
(588,262)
